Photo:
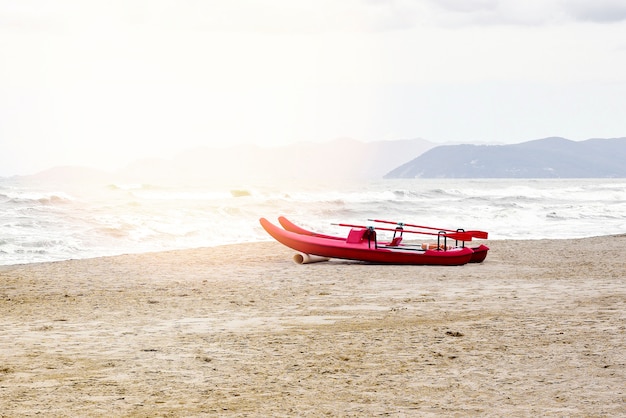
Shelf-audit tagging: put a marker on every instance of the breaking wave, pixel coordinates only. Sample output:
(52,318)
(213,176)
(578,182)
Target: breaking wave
(45,223)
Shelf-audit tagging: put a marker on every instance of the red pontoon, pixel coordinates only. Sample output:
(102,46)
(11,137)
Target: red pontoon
(480,251)
(361,245)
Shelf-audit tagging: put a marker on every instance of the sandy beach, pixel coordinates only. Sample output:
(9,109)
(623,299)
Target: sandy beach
(538,329)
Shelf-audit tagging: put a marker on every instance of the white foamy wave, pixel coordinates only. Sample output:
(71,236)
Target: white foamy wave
(39,224)
(36,197)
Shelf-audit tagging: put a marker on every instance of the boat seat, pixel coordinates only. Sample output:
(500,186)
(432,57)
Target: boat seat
(395,242)
(356,235)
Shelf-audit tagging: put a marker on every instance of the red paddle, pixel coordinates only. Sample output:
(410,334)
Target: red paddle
(475,234)
(458,236)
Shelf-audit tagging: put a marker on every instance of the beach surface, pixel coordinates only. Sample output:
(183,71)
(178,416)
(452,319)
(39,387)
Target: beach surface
(538,329)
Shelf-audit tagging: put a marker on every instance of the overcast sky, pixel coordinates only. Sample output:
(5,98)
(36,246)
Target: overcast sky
(101,83)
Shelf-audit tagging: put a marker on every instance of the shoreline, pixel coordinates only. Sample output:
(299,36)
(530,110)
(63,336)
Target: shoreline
(241,330)
(251,243)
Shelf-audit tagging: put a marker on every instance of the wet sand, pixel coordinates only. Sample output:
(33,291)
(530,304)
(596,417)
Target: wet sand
(538,329)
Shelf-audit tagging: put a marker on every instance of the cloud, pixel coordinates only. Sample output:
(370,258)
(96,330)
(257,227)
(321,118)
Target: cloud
(273,16)
(468,6)
(302,16)
(279,16)
(598,11)
(528,12)
(497,12)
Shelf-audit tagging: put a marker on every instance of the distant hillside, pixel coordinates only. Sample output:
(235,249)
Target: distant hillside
(65,174)
(341,159)
(542,158)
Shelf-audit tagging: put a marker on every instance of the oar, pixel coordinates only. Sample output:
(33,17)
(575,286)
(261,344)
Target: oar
(458,236)
(475,234)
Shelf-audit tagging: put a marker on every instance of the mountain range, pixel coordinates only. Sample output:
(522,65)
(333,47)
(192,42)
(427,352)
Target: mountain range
(553,157)
(340,159)
(349,159)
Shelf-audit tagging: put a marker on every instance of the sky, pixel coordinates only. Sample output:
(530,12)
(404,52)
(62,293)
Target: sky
(102,83)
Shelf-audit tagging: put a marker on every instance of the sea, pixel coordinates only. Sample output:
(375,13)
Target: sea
(44,220)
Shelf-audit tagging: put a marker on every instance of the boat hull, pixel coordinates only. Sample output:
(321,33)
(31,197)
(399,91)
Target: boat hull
(480,253)
(364,249)
(478,256)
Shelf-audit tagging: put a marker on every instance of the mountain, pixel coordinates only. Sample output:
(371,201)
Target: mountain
(65,174)
(543,158)
(341,159)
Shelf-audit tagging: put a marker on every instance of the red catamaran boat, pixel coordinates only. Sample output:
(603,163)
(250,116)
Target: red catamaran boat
(361,244)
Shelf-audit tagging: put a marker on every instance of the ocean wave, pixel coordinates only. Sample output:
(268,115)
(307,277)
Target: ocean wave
(26,251)
(240,193)
(111,232)
(43,243)
(54,199)
(38,198)
(132,186)
(58,224)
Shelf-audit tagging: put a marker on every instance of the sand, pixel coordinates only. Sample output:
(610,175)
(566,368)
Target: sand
(538,329)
